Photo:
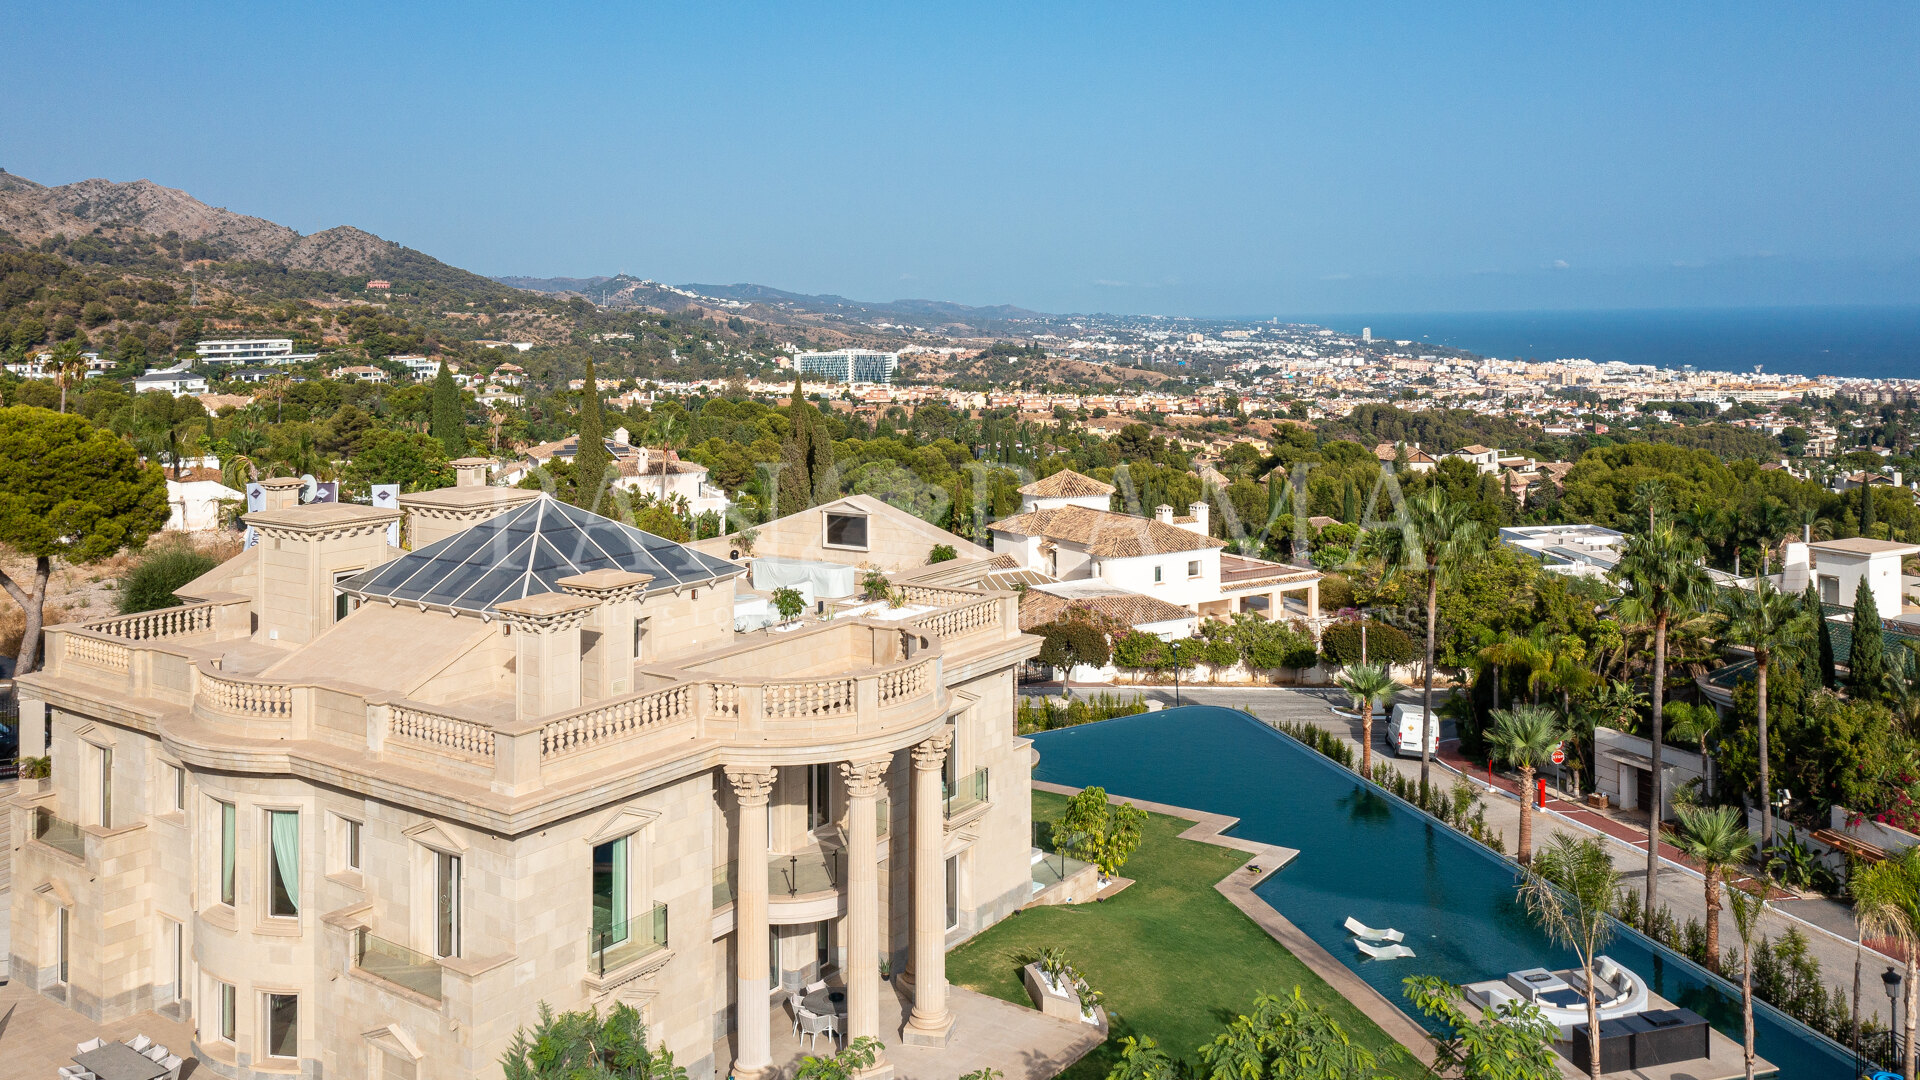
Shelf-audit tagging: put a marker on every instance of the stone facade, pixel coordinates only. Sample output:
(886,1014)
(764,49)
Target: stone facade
(375,842)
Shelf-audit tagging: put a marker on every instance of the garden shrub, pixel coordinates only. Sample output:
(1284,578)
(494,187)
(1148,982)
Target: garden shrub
(1340,644)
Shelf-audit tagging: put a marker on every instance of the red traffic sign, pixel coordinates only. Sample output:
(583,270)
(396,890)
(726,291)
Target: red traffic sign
(1559,756)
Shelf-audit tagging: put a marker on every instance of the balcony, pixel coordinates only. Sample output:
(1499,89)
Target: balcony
(620,944)
(58,833)
(397,964)
(965,794)
(789,876)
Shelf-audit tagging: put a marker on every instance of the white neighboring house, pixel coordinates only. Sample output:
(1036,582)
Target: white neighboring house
(1484,458)
(419,367)
(1836,567)
(1171,560)
(643,471)
(251,350)
(193,500)
(176,380)
(1573,550)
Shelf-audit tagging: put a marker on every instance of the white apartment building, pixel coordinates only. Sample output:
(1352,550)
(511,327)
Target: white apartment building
(849,365)
(177,381)
(250,350)
(1573,550)
(353,811)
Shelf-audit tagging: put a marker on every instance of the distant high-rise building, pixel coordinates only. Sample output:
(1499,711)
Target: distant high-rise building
(849,365)
(1366,335)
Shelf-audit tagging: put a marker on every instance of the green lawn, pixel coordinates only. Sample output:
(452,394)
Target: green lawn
(1174,958)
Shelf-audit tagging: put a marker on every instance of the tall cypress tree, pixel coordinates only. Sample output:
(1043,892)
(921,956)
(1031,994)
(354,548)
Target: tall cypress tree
(590,459)
(1824,630)
(1867,659)
(806,457)
(447,420)
(1866,505)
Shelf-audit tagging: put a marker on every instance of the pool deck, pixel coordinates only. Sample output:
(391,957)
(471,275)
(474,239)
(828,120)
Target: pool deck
(1237,887)
(1725,1060)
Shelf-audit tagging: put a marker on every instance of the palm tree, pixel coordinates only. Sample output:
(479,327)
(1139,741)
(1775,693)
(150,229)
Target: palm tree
(1651,496)
(1747,908)
(1886,900)
(1570,894)
(1719,841)
(1662,580)
(1436,538)
(1507,650)
(1524,737)
(276,387)
(1764,620)
(69,365)
(1367,685)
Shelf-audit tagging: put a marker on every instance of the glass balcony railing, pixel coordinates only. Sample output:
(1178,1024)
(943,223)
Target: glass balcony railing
(396,963)
(722,886)
(615,946)
(969,791)
(58,833)
(882,817)
(805,872)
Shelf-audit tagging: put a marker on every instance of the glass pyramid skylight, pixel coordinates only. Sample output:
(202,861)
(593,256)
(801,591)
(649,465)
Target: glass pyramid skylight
(525,551)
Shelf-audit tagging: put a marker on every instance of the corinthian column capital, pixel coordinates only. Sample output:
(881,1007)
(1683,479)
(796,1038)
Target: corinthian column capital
(931,755)
(865,778)
(752,783)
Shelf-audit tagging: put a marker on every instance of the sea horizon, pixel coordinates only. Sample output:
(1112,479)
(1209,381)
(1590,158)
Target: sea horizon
(1849,341)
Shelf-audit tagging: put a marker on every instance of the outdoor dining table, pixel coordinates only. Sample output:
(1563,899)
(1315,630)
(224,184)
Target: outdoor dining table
(831,1001)
(118,1061)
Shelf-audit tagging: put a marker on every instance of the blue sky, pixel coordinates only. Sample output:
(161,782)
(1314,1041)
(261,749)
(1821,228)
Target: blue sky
(1210,160)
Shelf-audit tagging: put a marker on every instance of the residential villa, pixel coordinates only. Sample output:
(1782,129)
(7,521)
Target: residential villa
(1572,550)
(1065,531)
(357,811)
(643,471)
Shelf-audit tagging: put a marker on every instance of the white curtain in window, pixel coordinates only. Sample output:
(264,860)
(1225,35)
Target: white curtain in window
(226,853)
(620,915)
(286,852)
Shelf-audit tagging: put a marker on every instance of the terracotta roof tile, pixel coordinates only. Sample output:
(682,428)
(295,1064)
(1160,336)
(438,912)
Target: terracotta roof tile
(1066,484)
(1106,534)
(1038,608)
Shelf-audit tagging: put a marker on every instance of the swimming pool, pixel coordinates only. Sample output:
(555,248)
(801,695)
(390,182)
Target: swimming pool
(1371,856)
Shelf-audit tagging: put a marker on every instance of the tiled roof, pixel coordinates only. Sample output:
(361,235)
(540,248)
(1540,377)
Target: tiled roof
(1106,534)
(1038,608)
(1066,484)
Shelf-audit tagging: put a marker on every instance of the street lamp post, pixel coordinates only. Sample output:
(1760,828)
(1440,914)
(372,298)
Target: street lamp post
(1891,980)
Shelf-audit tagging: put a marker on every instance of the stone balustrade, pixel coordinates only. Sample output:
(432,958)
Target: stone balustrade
(613,720)
(806,699)
(163,623)
(245,697)
(98,652)
(983,613)
(427,727)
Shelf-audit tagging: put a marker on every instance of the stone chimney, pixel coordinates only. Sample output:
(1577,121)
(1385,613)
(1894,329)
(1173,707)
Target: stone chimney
(611,632)
(470,472)
(1163,514)
(546,651)
(1202,521)
(280,492)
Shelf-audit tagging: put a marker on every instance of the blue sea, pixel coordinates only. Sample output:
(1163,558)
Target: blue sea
(1861,342)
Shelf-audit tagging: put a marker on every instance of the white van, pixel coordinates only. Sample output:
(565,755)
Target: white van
(1408,720)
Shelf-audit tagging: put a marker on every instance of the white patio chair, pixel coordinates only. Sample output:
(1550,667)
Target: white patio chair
(812,1026)
(155,1053)
(172,1064)
(90,1044)
(1384,952)
(794,1007)
(71,1072)
(817,985)
(140,1042)
(1362,930)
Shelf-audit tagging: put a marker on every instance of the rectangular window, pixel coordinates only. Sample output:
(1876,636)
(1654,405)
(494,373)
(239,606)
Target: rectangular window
(227,825)
(173,940)
(283,863)
(63,932)
(612,893)
(343,604)
(446,904)
(819,795)
(847,530)
(1156,574)
(639,639)
(352,842)
(228,1012)
(953,891)
(178,777)
(106,787)
(1193,568)
(283,1025)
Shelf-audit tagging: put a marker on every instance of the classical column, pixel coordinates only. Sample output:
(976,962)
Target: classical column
(865,779)
(930,1023)
(753,1052)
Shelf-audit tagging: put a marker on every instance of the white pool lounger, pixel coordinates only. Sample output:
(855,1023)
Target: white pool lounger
(1383,952)
(1362,930)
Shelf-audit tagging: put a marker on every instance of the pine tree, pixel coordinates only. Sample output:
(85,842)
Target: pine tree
(806,457)
(1867,659)
(1826,657)
(590,459)
(447,419)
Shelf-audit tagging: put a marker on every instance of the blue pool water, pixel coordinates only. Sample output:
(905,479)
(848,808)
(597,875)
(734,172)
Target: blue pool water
(1373,857)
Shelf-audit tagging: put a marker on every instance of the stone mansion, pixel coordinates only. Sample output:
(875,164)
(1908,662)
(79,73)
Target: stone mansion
(356,811)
